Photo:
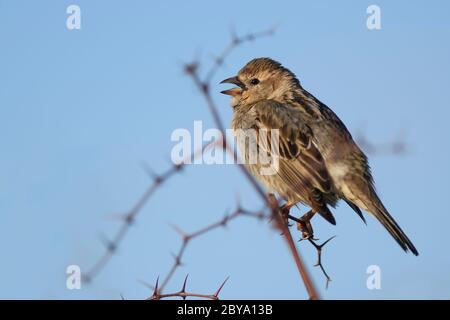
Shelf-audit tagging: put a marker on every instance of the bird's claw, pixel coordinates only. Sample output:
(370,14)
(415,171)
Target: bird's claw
(305,227)
(284,211)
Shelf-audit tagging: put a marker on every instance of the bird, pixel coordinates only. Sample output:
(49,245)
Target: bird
(319,163)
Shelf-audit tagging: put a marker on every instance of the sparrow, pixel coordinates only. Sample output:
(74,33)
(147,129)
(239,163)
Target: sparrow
(319,163)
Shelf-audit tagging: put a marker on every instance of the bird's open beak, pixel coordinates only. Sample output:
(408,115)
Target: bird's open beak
(233,91)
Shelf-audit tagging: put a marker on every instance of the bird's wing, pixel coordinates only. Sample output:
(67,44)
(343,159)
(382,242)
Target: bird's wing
(301,166)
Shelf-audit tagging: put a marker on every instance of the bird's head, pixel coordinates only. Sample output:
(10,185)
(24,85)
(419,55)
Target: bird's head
(260,79)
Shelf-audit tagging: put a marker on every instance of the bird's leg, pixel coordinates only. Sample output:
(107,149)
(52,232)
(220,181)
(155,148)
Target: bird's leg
(304,225)
(284,210)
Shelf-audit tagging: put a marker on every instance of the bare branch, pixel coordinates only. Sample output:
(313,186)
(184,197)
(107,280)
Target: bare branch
(127,219)
(395,147)
(235,42)
(184,294)
(319,258)
(270,204)
(203,87)
(186,238)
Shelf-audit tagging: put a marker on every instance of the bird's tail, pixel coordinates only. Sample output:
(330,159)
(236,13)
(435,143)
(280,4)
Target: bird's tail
(382,215)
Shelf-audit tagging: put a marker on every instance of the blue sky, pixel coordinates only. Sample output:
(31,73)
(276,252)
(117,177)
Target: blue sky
(80,110)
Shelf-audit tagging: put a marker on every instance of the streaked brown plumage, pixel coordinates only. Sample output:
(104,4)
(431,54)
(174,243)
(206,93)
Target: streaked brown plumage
(319,162)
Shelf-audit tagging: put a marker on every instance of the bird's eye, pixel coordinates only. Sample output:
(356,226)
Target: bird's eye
(254,82)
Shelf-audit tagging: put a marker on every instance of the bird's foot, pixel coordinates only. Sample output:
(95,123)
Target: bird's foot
(304,225)
(284,211)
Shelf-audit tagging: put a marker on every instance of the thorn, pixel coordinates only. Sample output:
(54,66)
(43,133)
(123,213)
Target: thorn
(260,215)
(183,289)
(323,244)
(235,41)
(205,88)
(177,259)
(179,166)
(156,285)
(184,283)
(233,34)
(158,180)
(146,167)
(327,283)
(155,295)
(191,68)
(216,295)
(86,279)
(146,284)
(320,246)
(128,218)
(178,230)
(111,247)
(224,221)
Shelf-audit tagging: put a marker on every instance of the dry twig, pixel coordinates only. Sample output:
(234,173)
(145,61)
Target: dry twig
(127,219)
(319,258)
(186,238)
(184,294)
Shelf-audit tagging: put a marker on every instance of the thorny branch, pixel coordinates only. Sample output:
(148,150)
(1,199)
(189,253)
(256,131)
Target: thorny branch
(186,238)
(318,250)
(127,219)
(158,180)
(235,42)
(396,147)
(319,257)
(184,294)
(203,86)
(270,203)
